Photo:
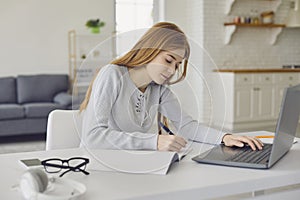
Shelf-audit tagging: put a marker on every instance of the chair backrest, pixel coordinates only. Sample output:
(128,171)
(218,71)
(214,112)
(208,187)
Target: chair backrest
(63,129)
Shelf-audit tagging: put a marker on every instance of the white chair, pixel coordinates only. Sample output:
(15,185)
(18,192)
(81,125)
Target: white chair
(63,129)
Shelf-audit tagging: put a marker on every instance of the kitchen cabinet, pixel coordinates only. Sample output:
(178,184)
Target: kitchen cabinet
(289,79)
(254,103)
(252,100)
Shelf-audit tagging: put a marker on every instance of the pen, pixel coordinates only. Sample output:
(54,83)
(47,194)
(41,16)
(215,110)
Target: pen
(166,128)
(264,136)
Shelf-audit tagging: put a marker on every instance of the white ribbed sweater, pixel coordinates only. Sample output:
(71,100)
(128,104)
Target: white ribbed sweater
(120,116)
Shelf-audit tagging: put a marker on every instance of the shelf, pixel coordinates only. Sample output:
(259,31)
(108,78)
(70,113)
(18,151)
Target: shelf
(99,50)
(82,84)
(256,25)
(266,70)
(230,29)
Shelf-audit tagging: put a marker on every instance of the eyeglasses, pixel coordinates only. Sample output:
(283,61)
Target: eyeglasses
(75,164)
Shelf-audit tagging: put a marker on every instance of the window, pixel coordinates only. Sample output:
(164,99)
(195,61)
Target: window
(133,14)
(133,17)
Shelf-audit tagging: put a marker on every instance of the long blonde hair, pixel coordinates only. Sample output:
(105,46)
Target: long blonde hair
(163,36)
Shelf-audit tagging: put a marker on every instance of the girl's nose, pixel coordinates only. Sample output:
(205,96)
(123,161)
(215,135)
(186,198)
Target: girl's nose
(171,70)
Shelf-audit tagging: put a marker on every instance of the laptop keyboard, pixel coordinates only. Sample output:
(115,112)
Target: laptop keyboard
(247,155)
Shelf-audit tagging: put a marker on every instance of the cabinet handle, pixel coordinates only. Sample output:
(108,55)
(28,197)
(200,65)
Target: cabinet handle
(245,79)
(267,78)
(291,78)
(256,89)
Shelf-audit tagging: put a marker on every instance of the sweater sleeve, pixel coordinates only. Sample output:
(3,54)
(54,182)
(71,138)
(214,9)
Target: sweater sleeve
(184,124)
(96,132)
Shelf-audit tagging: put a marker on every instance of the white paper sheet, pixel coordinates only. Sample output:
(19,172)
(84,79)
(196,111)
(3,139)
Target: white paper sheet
(137,162)
(261,133)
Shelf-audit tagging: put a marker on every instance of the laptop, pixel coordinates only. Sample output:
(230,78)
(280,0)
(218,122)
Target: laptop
(261,159)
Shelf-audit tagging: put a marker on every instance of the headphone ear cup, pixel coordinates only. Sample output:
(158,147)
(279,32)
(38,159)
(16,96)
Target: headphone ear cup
(41,178)
(33,181)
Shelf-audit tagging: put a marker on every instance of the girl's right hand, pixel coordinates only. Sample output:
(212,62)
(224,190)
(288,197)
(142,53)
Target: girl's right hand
(170,143)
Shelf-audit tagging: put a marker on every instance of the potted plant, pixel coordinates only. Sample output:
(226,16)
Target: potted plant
(94,25)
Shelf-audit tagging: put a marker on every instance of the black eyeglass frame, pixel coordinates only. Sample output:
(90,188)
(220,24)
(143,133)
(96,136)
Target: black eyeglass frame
(76,168)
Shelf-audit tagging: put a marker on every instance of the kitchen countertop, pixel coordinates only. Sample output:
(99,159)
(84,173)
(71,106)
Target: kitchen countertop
(266,70)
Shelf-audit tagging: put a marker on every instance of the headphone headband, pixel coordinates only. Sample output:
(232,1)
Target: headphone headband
(33,185)
(69,189)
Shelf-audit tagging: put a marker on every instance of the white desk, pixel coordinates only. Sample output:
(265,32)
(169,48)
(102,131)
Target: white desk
(186,179)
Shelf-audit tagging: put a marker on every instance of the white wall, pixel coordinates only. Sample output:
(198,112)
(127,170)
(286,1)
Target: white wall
(190,91)
(203,22)
(250,47)
(33,34)
(175,11)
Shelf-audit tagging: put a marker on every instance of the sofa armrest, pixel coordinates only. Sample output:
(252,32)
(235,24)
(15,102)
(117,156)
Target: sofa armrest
(63,98)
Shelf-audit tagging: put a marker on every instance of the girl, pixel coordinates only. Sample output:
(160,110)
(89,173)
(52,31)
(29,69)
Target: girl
(124,98)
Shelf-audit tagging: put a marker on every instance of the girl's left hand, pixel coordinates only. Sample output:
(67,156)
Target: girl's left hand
(240,141)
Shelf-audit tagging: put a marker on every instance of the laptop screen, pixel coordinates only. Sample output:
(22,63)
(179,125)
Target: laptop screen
(287,123)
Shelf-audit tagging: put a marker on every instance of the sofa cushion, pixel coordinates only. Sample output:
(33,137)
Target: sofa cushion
(63,98)
(8,90)
(26,126)
(40,88)
(40,109)
(11,111)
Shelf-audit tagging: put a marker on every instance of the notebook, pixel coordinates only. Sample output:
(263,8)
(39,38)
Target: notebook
(284,138)
(135,161)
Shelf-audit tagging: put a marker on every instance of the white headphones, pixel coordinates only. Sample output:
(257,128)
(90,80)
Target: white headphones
(34,184)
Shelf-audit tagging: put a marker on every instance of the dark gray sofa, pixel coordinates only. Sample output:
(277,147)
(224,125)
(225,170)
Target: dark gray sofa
(26,101)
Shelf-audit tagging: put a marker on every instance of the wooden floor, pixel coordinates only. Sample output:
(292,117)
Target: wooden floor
(22,144)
